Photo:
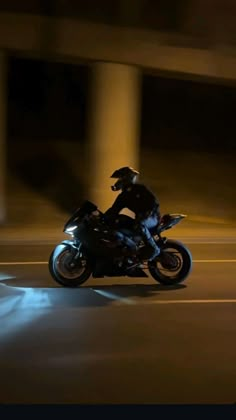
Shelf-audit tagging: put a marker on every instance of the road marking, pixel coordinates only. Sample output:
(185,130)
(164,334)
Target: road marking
(206,242)
(168,302)
(46,262)
(24,263)
(214,261)
(173,302)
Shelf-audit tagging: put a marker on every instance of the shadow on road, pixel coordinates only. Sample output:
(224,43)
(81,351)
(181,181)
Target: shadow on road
(39,297)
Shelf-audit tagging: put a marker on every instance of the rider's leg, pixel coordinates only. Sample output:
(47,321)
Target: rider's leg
(149,242)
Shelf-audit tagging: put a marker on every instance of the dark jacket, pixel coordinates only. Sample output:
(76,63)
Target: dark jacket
(138,199)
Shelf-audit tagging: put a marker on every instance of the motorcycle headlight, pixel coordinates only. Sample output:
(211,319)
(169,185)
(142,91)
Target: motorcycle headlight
(70,229)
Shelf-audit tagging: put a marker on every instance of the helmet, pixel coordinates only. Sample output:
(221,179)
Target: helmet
(125,175)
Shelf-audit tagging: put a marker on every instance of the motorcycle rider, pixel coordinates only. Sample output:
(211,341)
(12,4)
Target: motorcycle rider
(141,201)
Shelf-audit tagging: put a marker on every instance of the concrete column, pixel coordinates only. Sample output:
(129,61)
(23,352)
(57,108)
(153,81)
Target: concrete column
(114,120)
(3,99)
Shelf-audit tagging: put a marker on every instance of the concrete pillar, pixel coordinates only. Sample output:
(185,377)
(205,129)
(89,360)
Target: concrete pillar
(114,120)
(3,99)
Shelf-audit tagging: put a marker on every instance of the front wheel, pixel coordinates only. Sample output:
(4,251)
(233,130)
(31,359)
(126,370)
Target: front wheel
(173,265)
(65,270)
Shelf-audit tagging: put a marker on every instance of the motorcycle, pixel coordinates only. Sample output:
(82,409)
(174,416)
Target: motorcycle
(99,250)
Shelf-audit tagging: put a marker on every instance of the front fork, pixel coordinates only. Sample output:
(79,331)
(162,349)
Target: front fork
(76,246)
(160,240)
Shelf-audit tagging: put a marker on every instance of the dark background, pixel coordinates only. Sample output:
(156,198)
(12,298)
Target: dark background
(152,14)
(48,100)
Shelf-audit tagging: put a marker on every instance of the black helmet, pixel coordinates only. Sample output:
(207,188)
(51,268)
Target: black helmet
(125,175)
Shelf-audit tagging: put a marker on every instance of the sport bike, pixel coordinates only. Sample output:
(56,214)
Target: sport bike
(100,250)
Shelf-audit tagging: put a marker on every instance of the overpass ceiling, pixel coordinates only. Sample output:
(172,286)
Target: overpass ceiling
(72,40)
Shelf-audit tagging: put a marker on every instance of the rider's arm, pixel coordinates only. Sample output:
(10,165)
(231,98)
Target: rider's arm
(117,206)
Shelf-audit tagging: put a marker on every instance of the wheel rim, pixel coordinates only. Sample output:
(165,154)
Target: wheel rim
(63,265)
(170,263)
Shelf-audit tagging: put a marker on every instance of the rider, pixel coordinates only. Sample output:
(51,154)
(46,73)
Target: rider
(141,201)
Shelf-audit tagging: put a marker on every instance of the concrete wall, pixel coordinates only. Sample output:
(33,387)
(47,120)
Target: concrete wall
(43,189)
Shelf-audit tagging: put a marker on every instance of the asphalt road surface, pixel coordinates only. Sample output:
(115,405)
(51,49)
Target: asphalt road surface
(120,340)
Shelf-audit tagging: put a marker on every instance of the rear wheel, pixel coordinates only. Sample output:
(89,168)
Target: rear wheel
(67,271)
(173,265)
